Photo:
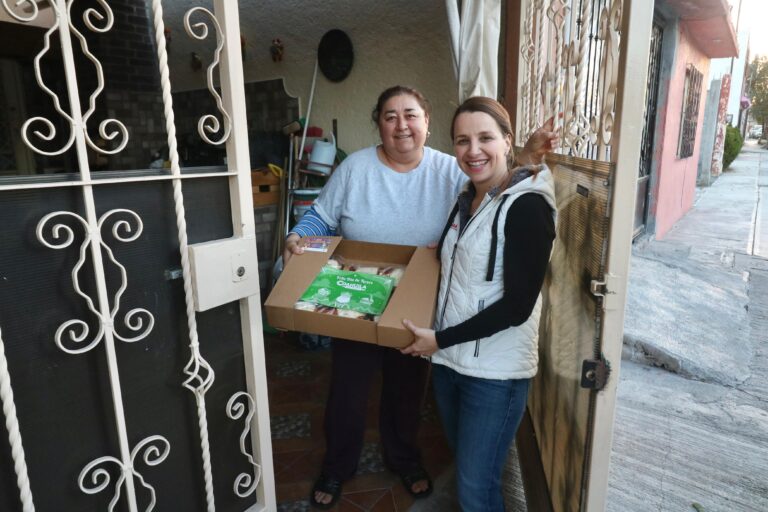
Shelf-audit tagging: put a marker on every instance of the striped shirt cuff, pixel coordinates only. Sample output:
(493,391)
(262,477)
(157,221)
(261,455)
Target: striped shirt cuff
(311,224)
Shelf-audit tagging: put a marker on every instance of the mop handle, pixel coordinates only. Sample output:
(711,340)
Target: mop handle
(309,112)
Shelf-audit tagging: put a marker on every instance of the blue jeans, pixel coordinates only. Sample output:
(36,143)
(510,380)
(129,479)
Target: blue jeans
(480,418)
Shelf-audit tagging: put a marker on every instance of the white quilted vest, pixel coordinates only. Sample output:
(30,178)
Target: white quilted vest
(464,291)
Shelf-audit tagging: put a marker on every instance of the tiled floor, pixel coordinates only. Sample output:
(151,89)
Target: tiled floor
(298,383)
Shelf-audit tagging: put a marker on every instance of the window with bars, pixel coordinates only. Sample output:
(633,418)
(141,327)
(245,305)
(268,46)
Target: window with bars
(690,114)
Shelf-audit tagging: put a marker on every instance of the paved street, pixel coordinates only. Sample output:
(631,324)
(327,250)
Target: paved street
(692,412)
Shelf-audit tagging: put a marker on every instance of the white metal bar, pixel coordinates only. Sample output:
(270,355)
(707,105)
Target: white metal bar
(530,87)
(112,181)
(238,159)
(558,10)
(540,62)
(90,214)
(524,72)
(578,128)
(609,35)
(14,434)
(633,67)
(309,112)
(200,374)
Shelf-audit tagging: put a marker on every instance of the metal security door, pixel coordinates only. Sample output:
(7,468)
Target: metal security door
(649,129)
(582,63)
(132,370)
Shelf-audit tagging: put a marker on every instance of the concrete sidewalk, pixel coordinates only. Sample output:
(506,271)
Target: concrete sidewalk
(692,411)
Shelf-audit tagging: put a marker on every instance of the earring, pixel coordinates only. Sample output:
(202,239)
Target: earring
(428,133)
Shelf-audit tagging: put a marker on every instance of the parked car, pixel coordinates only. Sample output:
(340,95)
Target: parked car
(756,132)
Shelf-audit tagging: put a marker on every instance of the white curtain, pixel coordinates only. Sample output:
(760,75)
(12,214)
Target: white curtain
(475,45)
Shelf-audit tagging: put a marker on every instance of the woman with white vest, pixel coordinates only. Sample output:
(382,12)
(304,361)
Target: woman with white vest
(494,253)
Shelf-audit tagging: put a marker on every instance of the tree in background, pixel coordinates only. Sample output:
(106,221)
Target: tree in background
(759,87)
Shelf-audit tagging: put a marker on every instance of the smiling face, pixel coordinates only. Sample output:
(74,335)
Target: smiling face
(481,148)
(403,125)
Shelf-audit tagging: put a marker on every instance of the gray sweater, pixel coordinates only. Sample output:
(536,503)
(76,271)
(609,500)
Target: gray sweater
(366,200)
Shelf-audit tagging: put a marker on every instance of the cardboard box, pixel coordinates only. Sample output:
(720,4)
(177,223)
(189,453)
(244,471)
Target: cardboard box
(414,298)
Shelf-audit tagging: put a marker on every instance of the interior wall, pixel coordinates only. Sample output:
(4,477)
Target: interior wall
(395,42)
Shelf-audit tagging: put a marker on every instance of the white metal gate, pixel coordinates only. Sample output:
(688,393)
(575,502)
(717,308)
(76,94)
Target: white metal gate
(103,288)
(583,62)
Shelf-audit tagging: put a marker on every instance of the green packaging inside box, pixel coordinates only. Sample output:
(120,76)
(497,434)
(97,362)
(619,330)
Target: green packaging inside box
(343,289)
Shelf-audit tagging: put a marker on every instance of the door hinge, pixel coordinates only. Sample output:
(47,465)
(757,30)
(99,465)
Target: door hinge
(606,289)
(595,373)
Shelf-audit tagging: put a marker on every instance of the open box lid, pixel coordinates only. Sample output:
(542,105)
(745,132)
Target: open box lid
(297,275)
(414,299)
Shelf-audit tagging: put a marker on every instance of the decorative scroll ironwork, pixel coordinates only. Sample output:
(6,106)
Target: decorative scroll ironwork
(60,230)
(540,63)
(245,483)
(109,129)
(29,6)
(578,129)
(210,123)
(527,50)
(73,336)
(94,477)
(556,13)
(14,434)
(137,320)
(77,330)
(580,46)
(610,24)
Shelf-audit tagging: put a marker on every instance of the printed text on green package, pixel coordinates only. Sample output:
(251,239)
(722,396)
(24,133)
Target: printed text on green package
(342,289)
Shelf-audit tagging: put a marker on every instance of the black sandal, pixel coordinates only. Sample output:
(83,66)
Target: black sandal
(410,476)
(327,485)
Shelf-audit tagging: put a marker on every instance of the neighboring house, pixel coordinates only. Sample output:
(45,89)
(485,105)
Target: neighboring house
(725,104)
(686,37)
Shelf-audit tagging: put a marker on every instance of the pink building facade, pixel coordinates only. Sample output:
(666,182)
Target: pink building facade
(686,36)
(677,175)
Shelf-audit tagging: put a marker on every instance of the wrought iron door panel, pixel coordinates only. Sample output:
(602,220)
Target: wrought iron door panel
(641,205)
(570,71)
(68,389)
(115,406)
(649,129)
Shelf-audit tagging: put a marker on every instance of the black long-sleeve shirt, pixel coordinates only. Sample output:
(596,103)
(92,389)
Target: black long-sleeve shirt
(529,232)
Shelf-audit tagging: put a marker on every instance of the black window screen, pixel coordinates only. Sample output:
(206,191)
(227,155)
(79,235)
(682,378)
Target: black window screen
(690,114)
(63,401)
